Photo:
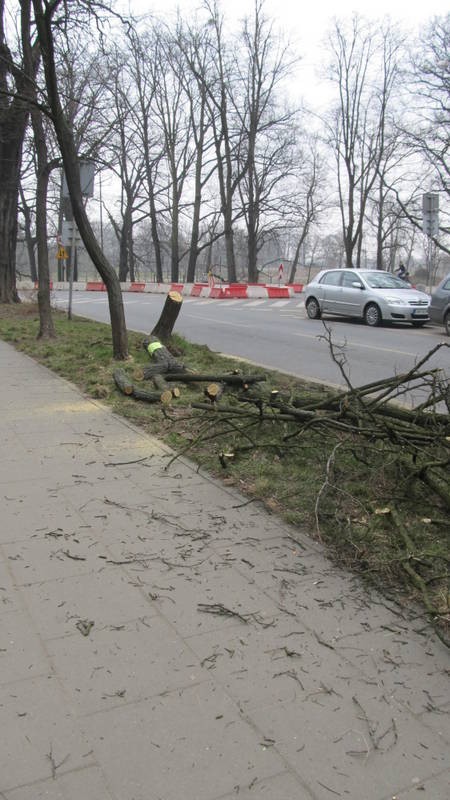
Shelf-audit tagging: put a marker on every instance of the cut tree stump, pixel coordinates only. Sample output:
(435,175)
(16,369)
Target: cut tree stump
(164,327)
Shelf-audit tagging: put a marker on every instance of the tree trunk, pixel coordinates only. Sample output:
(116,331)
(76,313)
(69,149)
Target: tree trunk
(29,238)
(46,326)
(172,307)
(174,237)
(155,236)
(8,232)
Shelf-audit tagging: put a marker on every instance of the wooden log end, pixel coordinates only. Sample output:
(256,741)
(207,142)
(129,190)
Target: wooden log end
(213,391)
(166,397)
(226,458)
(175,296)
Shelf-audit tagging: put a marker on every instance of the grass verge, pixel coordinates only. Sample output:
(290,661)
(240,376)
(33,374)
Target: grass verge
(354,495)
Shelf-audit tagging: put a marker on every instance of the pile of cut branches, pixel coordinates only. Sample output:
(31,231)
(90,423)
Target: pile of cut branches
(382,490)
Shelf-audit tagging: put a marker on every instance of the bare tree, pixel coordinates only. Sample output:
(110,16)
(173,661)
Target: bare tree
(305,199)
(220,84)
(83,93)
(364,70)
(172,116)
(125,157)
(45,21)
(194,65)
(139,47)
(428,131)
(267,136)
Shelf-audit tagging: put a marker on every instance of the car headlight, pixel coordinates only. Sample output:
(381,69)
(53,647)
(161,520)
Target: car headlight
(394,301)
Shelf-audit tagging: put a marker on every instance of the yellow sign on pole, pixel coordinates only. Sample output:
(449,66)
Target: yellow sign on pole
(62,253)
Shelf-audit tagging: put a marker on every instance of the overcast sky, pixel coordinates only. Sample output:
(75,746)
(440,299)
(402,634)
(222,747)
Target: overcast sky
(306,20)
(305,25)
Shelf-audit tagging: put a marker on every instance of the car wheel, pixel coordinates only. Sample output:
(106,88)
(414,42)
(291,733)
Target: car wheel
(447,323)
(372,315)
(313,308)
(418,324)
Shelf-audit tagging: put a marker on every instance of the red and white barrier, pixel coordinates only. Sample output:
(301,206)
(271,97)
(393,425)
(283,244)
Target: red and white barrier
(220,291)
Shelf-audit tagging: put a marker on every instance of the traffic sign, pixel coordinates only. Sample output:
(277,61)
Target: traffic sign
(87,171)
(62,253)
(430,213)
(70,233)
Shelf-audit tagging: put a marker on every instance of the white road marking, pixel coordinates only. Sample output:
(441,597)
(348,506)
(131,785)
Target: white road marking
(357,344)
(206,302)
(220,321)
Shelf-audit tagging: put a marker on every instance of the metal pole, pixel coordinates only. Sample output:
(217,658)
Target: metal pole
(101,211)
(71,268)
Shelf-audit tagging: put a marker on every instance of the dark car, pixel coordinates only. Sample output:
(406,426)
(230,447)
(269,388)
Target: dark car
(440,305)
(372,295)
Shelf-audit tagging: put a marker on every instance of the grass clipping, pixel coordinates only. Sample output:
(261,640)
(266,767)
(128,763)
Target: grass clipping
(368,478)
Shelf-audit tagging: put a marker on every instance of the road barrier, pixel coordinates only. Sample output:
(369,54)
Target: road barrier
(223,291)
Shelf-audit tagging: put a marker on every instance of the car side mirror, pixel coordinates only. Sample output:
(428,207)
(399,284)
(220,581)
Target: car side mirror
(357,285)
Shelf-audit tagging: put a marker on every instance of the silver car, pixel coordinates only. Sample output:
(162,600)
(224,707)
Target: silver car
(440,305)
(372,295)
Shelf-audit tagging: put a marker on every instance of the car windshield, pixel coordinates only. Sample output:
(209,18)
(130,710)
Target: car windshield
(383,280)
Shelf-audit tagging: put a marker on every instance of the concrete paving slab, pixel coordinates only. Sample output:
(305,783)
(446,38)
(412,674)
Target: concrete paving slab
(12,442)
(437,788)
(191,743)
(80,784)
(352,731)
(35,508)
(122,663)
(213,600)
(57,605)
(281,787)
(437,718)
(45,558)
(42,738)
(9,598)
(15,472)
(21,652)
(262,666)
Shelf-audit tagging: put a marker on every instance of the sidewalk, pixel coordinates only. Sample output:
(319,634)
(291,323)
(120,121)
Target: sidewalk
(162,640)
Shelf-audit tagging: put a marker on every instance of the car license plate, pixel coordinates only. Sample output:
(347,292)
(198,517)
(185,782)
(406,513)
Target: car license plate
(420,313)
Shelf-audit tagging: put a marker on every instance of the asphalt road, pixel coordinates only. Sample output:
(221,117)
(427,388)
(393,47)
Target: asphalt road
(277,334)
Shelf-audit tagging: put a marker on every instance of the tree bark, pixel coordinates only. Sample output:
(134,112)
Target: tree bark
(149,397)
(172,307)
(46,326)
(123,382)
(231,380)
(162,357)
(29,238)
